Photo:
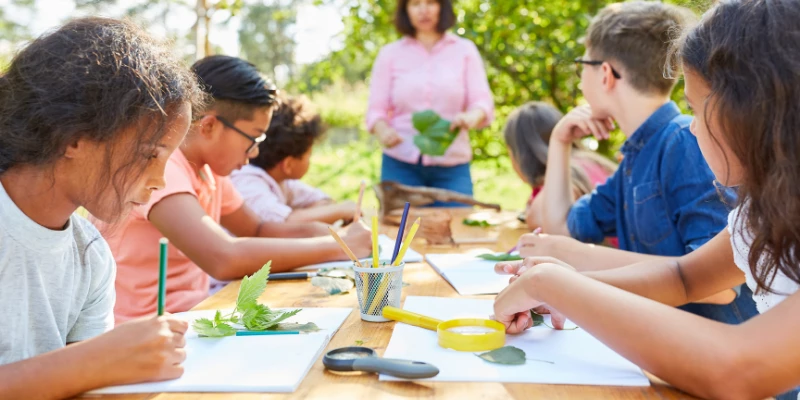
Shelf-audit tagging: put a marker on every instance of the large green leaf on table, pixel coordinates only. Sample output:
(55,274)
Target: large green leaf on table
(508,355)
(434,133)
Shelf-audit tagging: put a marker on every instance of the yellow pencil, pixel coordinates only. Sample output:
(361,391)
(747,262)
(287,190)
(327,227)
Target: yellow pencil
(375,249)
(406,243)
(345,248)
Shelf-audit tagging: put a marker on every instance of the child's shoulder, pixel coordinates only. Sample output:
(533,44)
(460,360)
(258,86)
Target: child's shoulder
(89,242)
(678,135)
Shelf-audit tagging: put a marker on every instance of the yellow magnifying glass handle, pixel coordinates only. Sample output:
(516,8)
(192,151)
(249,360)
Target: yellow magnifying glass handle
(407,317)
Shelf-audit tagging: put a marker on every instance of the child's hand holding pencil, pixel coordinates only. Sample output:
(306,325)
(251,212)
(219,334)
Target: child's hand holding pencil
(358,238)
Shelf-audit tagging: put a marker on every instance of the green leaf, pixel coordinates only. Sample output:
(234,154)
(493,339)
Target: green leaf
(293,326)
(500,257)
(333,285)
(477,222)
(424,119)
(507,355)
(435,135)
(539,320)
(260,317)
(253,315)
(277,317)
(209,328)
(252,287)
(429,146)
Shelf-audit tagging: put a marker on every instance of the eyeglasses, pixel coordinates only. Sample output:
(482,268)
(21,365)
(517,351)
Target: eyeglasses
(254,140)
(579,64)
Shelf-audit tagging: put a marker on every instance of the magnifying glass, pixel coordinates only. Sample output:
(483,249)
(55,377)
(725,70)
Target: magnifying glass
(364,359)
(467,334)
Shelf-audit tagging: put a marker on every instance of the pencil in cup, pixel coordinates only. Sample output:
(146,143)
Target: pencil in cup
(377,288)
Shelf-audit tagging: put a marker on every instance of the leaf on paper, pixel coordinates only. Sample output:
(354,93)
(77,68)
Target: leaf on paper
(507,355)
(539,320)
(252,287)
(293,326)
(209,328)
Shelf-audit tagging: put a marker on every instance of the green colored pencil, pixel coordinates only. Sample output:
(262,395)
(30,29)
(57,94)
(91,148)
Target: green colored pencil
(162,274)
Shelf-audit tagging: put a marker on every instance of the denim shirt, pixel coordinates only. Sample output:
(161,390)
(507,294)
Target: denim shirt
(662,200)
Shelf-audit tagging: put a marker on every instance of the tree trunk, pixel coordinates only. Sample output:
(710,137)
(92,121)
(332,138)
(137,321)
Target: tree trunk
(201,30)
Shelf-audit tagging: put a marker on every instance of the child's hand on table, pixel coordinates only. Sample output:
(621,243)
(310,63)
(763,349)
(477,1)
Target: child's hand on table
(145,350)
(513,305)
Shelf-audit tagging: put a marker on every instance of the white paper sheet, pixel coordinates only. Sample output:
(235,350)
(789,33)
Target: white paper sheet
(468,274)
(248,363)
(387,248)
(578,358)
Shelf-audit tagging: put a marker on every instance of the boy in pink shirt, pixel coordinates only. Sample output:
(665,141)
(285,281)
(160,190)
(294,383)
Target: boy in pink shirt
(199,203)
(271,184)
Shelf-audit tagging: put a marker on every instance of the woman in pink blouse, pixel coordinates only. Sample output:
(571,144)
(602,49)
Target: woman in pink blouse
(428,69)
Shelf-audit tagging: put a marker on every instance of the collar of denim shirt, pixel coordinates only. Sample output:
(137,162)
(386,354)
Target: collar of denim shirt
(651,126)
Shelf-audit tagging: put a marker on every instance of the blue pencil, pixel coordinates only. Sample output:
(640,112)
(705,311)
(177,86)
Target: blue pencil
(400,232)
(266,333)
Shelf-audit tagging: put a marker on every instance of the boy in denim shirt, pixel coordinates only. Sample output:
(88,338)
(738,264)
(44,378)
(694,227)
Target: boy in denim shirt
(662,200)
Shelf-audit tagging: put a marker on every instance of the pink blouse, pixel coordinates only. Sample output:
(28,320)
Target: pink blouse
(448,79)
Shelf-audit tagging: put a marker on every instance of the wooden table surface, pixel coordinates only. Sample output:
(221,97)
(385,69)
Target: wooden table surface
(424,281)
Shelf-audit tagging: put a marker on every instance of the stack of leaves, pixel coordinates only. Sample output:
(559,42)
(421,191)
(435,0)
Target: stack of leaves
(335,280)
(248,313)
(435,135)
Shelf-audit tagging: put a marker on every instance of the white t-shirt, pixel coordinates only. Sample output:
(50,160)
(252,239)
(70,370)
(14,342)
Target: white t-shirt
(740,241)
(56,287)
(274,201)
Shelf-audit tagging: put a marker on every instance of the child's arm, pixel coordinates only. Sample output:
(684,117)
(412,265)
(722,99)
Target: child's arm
(582,256)
(587,257)
(181,219)
(329,213)
(143,350)
(244,222)
(706,358)
(557,192)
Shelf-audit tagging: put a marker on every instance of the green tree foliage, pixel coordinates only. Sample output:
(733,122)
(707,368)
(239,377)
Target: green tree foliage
(527,46)
(265,36)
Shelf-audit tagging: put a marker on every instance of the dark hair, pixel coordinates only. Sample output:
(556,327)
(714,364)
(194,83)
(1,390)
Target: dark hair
(91,79)
(294,128)
(527,134)
(402,22)
(637,35)
(747,52)
(237,87)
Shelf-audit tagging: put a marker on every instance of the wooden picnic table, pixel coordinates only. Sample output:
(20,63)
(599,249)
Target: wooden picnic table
(423,281)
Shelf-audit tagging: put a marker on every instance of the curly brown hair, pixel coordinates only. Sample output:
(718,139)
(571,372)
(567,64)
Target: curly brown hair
(294,128)
(748,51)
(93,78)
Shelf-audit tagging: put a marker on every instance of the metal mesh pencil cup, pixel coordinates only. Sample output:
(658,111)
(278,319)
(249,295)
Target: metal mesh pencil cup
(378,288)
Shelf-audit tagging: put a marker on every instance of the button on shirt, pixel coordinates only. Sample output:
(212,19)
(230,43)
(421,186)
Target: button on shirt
(662,200)
(448,79)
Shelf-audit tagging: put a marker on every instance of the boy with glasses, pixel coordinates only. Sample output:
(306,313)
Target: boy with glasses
(199,200)
(662,201)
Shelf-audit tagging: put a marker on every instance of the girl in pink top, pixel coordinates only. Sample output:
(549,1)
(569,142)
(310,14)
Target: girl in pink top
(428,68)
(527,133)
